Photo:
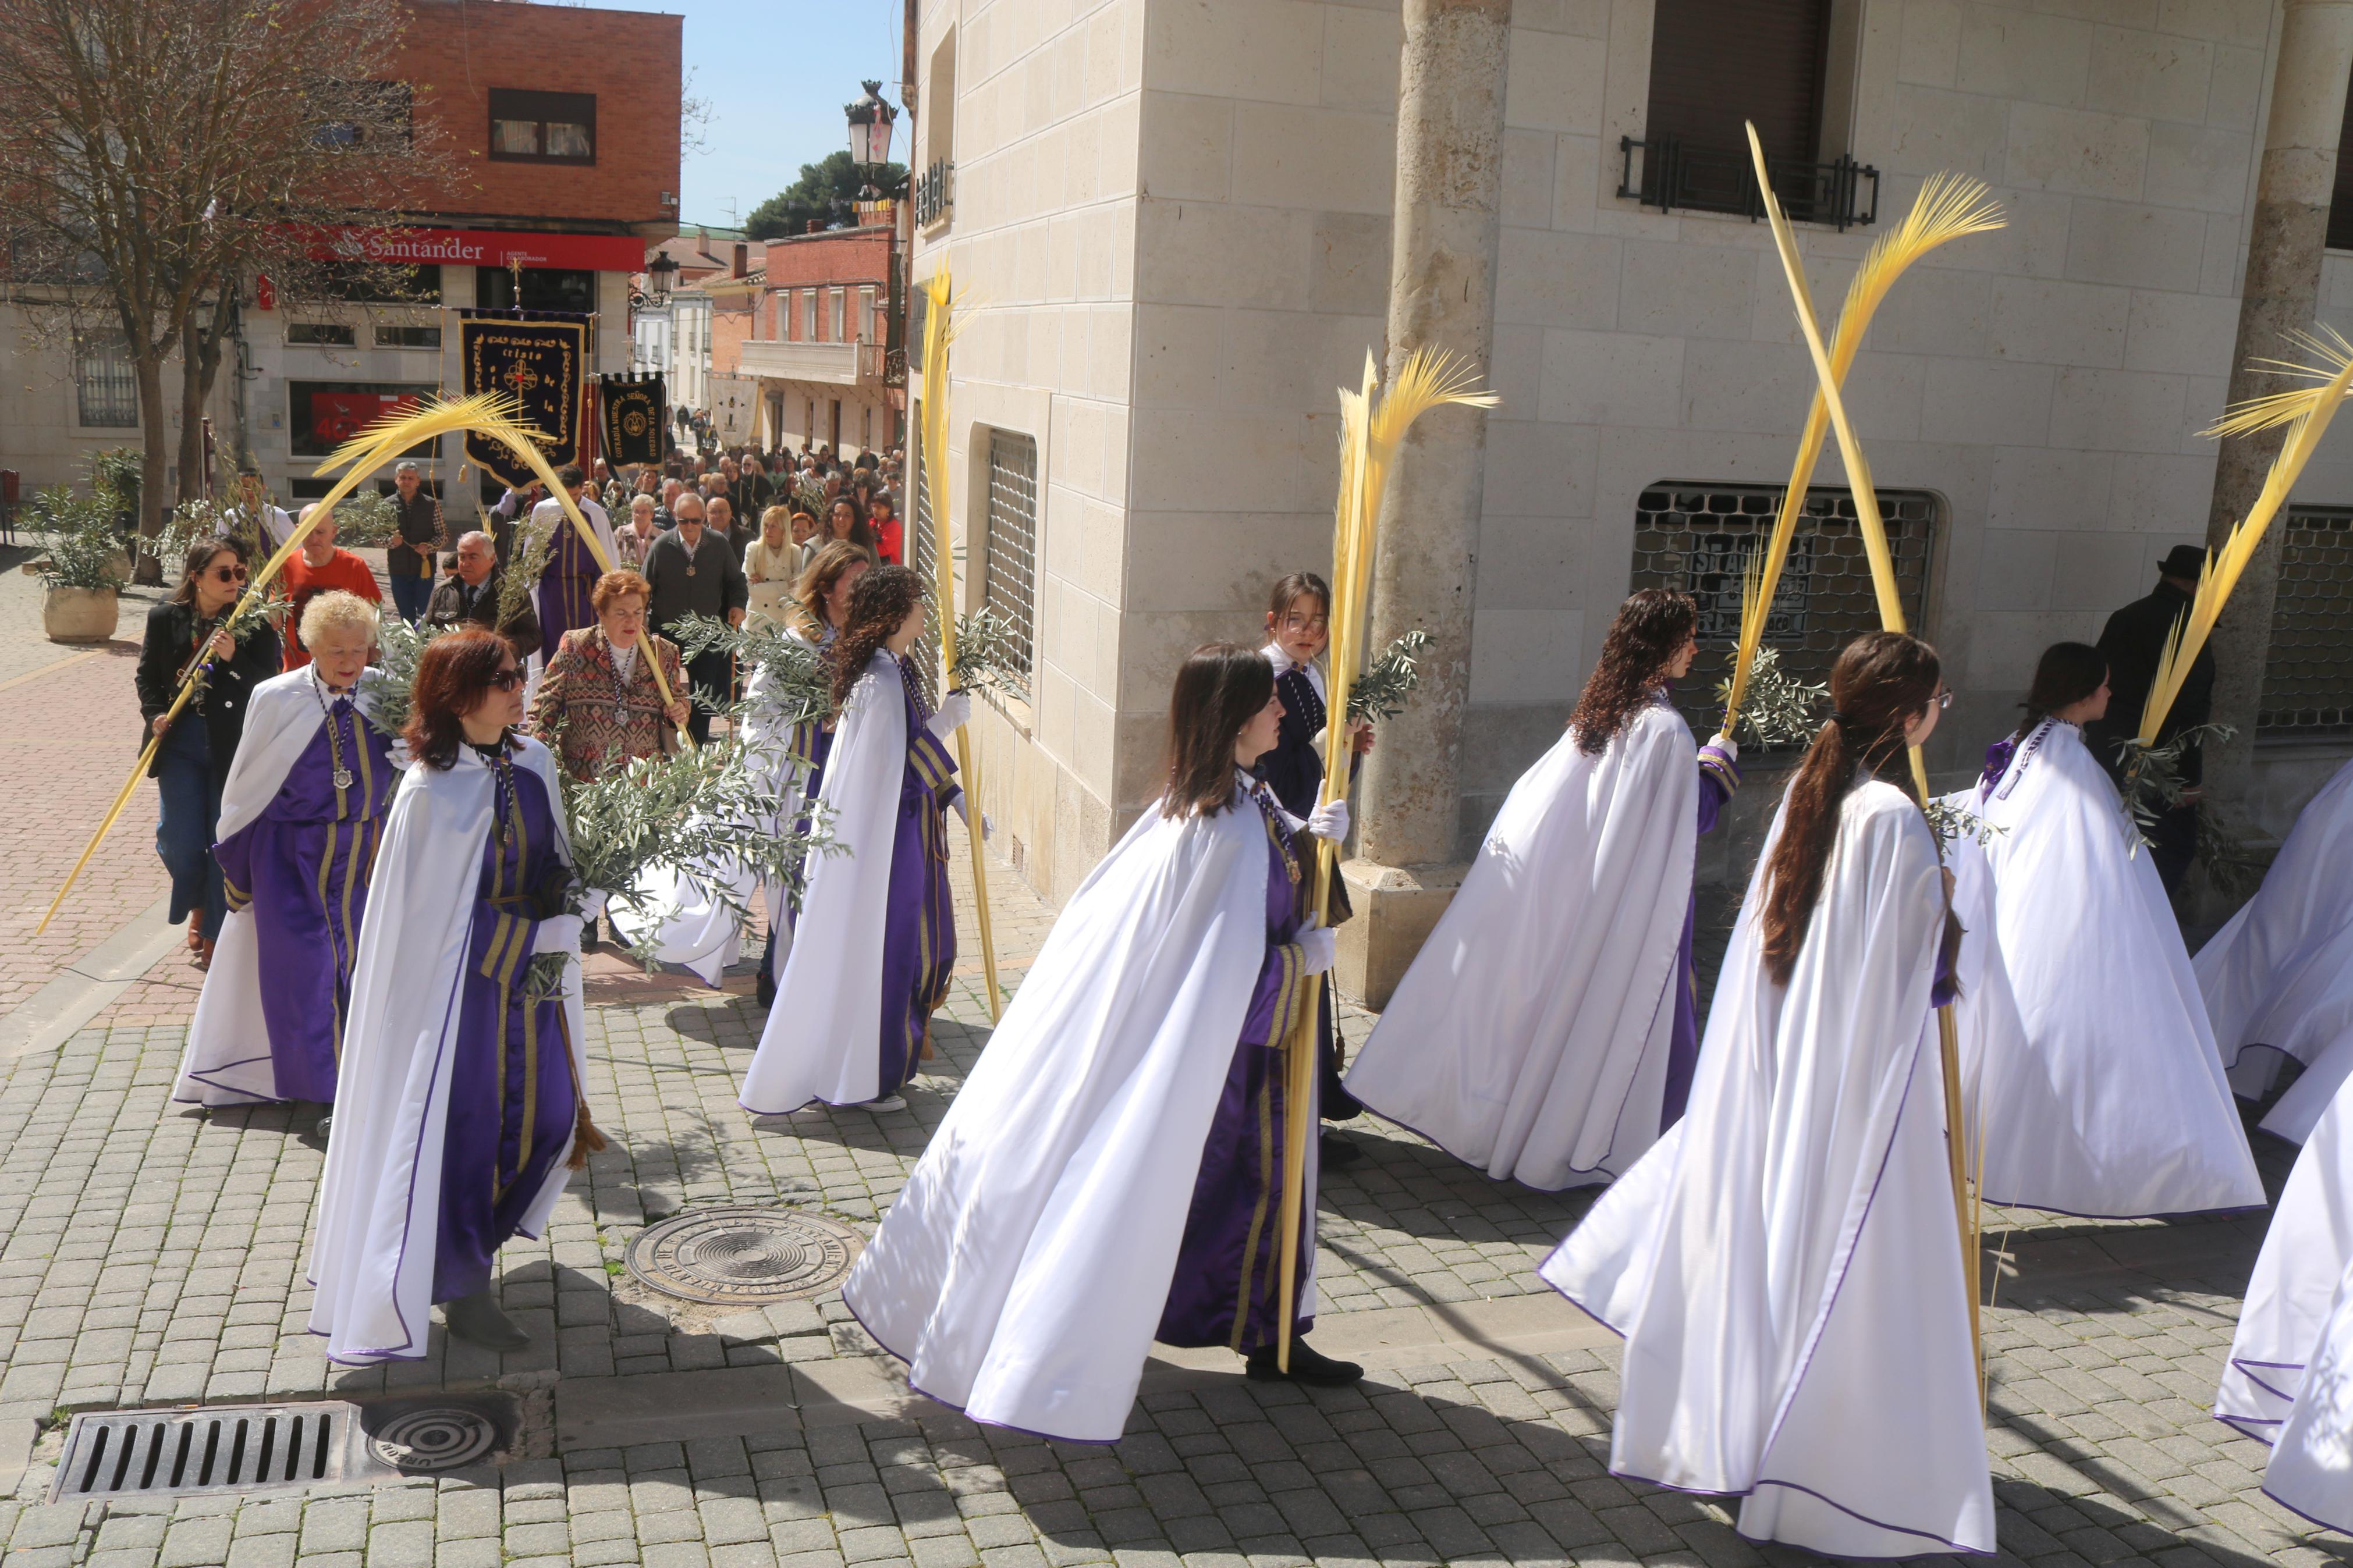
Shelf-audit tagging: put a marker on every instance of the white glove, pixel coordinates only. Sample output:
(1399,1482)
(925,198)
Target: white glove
(1319,949)
(592,904)
(963,813)
(1329,821)
(557,933)
(955,713)
(1727,745)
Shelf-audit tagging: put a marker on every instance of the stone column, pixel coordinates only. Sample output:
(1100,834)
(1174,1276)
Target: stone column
(1449,163)
(2281,296)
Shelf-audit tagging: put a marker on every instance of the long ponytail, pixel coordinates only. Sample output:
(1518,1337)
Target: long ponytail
(1881,683)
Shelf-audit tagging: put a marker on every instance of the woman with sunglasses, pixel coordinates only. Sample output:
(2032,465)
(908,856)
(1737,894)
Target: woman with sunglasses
(193,761)
(459,1113)
(2106,1097)
(1784,1263)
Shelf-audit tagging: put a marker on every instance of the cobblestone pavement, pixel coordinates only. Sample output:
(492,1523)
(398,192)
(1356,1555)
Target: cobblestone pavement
(154,1257)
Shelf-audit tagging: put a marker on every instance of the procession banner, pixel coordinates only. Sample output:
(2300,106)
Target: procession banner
(634,411)
(537,358)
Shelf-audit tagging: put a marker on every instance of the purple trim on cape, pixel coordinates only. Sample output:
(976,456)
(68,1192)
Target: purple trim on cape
(2341,1528)
(1997,762)
(207,1078)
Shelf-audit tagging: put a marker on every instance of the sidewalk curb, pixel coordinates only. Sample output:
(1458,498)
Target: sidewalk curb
(87,988)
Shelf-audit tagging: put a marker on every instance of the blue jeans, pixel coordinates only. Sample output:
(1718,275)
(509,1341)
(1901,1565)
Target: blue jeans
(190,788)
(410,596)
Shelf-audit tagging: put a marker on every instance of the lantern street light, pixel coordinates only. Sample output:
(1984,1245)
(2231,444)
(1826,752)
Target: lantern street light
(872,120)
(660,274)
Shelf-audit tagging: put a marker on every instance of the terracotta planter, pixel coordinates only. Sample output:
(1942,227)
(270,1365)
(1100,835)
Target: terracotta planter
(78,615)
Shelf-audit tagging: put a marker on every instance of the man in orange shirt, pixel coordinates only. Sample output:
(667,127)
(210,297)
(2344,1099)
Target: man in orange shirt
(315,568)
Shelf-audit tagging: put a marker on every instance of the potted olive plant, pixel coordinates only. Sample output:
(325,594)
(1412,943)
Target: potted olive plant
(84,571)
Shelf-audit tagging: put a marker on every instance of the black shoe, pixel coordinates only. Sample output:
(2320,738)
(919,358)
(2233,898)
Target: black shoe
(476,1318)
(1307,1365)
(766,989)
(1333,1151)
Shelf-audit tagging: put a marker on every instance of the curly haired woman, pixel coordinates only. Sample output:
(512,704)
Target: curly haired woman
(1548,1029)
(876,935)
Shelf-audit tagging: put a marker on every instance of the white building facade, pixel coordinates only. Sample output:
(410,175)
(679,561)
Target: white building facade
(1174,219)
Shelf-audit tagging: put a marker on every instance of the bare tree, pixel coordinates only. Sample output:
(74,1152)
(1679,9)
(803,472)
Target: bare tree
(155,158)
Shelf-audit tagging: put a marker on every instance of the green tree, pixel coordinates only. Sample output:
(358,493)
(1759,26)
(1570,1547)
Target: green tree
(822,194)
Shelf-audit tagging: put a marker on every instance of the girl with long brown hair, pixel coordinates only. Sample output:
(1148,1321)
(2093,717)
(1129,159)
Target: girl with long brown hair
(1548,1029)
(459,1112)
(2112,1097)
(874,941)
(1788,1252)
(1109,1173)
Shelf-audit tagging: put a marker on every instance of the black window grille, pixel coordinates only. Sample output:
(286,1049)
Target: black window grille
(934,193)
(105,392)
(1673,173)
(1012,581)
(2309,675)
(1699,539)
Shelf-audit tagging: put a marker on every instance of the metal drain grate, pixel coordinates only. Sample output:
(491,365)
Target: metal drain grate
(233,1447)
(730,1256)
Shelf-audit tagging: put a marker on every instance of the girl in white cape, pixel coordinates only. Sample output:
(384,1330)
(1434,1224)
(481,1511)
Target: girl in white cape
(302,810)
(2109,1101)
(875,938)
(2278,980)
(682,916)
(1785,1263)
(1109,1173)
(2289,1381)
(1548,1029)
(461,1113)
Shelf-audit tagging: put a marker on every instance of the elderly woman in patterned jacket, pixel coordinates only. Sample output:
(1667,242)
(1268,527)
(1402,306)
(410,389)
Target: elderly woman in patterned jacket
(598,707)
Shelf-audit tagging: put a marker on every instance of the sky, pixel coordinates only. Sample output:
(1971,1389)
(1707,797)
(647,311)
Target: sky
(777,74)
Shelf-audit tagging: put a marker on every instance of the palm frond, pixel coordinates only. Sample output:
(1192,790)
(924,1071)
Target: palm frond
(2225,566)
(939,325)
(2325,344)
(431,417)
(1948,207)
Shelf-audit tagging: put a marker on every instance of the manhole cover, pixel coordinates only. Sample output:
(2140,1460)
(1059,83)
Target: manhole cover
(441,1437)
(744,1256)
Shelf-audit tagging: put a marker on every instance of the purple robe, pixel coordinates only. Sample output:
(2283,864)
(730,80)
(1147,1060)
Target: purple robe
(300,871)
(511,1099)
(1226,1288)
(565,586)
(919,915)
(1717,778)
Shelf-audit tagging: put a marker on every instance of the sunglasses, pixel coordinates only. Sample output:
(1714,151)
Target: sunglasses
(506,680)
(228,573)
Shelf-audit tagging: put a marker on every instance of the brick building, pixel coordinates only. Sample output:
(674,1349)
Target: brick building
(810,330)
(558,196)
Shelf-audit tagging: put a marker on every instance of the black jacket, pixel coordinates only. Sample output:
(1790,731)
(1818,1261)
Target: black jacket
(165,654)
(421,536)
(2133,641)
(716,587)
(448,607)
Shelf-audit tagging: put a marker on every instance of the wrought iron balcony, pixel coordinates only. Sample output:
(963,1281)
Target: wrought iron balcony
(933,193)
(1676,175)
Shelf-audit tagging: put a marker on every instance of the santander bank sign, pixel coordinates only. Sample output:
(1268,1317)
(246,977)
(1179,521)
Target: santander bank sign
(479,247)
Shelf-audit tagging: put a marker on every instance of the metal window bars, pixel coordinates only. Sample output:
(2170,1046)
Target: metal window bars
(2308,673)
(1676,174)
(1012,561)
(934,193)
(1698,539)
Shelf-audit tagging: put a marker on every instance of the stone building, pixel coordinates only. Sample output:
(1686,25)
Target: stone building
(1179,226)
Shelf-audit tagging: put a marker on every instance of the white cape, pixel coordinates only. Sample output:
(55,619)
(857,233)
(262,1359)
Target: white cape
(1024,1268)
(2278,980)
(1786,1264)
(689,923)
(1531,1035)
(2289,1381)
(2120,1107)
(227,1060)
(822,1040)
(379,1210)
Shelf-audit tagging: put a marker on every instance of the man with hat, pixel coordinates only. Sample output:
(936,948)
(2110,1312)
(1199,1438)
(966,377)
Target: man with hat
(2134,641)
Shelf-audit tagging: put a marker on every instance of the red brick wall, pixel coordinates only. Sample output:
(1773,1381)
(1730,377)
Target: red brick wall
(731,323)
(847,258)
(455,53)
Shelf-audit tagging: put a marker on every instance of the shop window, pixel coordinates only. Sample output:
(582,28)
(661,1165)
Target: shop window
(324,414)
(543,288)
(321,334)
(409,337)
(543,127)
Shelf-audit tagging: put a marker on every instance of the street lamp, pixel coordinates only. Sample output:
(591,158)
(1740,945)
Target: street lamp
(871,119)
(661,273)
